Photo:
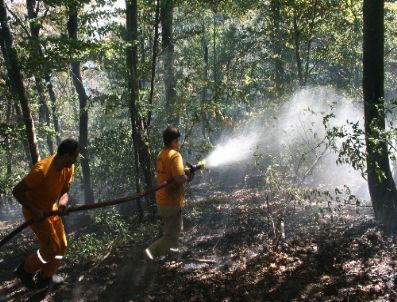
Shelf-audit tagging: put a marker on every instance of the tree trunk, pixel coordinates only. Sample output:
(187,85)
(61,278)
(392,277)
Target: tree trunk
(83,105)
(54,112)
(154,59)
(167,7)
(25,142)
(296,37)
(204,93)
(309,41)
(215,89)
(132,61)
(380,182)
(44,112)
(15,75)
(137,180)
(138,130)
(8,140)
(277,40)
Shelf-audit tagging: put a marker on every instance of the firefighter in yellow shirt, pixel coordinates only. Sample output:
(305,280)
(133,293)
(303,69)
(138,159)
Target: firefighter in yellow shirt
(170,200)
(45,188)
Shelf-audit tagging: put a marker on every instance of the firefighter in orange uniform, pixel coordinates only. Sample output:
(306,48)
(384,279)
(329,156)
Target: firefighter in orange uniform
(45,188)
(170,200)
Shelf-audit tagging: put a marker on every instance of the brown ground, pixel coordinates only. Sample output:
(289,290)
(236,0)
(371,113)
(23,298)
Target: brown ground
(229,254)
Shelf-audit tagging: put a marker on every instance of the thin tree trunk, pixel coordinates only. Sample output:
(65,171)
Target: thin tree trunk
(215,74)
(204,93)
(167,7)
(310,41)
(137,179)
(8,140)
(54,112)
(15,76)
(380,182)
(277,40)
(25,142)
(132,58)
(154,59)
(83,105)
(296,37)
(138,131)
(44,112)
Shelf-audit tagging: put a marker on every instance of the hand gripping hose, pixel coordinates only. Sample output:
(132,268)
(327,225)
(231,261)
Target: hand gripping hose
(86,207)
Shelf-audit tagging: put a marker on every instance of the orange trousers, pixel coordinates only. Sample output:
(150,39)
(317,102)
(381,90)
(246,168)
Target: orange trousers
(52,241)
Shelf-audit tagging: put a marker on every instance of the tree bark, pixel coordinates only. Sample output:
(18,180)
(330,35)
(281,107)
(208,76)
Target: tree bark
(309,41)
(15,75)
(25,142)
(204,93)
(296,37)
(54,112)
(277,40)
(154,59)
(72,26)
(138,130)
(137,179)
(167,7)
(8,141)
(380,182)
(44,112)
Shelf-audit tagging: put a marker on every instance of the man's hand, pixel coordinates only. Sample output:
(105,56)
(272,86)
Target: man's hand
(189,174)
(190,177)
(62,208)
(63,202)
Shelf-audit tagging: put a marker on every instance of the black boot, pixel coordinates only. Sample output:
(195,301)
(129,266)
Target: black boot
(25,277)
(43,282)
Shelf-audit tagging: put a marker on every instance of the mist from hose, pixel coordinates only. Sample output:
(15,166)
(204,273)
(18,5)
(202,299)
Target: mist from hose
(287,132)
(233,150)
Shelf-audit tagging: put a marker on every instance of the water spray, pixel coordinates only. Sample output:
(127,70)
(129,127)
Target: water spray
(237,148)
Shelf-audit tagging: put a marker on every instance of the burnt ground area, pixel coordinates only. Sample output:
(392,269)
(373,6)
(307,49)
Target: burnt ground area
(229,252)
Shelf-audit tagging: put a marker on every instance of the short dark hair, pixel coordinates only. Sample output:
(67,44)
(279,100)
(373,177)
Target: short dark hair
(68,146)
(169,134)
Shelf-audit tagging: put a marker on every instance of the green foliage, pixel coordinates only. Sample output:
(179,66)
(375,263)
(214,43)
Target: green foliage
(111,230)
(112,223)
(112,161)
(85,248)
(348,141)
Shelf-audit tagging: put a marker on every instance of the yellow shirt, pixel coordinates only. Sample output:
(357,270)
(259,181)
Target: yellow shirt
(45,183)
(169,164)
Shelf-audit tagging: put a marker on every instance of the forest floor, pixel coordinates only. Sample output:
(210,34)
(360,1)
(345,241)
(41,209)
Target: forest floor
(229,252)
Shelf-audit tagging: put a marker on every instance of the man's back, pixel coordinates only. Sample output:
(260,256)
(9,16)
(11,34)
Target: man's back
(46,183)
(169,164)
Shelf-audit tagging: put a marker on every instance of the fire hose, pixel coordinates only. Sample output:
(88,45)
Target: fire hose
(191,168)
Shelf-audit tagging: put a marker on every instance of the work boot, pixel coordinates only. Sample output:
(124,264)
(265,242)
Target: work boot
(25,277)
(43,282)
(57,279)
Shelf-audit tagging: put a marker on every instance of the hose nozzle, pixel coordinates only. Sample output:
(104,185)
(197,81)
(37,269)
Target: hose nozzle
(193,168)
